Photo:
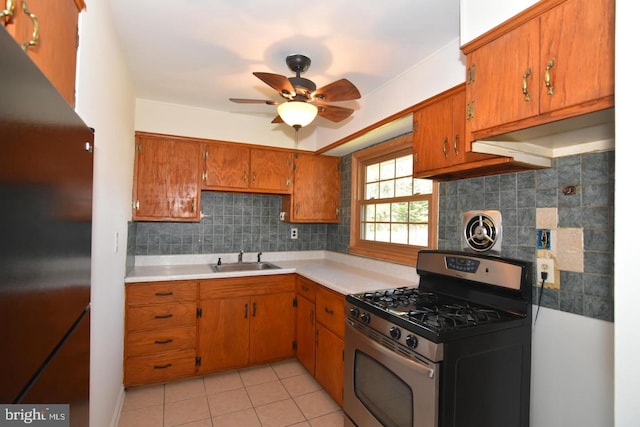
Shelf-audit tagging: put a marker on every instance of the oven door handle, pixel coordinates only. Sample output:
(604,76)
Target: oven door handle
(361,341)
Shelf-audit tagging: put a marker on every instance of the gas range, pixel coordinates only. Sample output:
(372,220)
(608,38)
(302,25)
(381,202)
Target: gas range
(453,350)
(458,295)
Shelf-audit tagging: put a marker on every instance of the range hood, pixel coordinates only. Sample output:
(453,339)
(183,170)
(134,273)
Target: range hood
(537,145)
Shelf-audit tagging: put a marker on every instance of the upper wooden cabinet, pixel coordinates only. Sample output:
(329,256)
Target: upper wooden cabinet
(166,179)
(316,190)
(439,141)
(48,30)
(238,167)
(553,61)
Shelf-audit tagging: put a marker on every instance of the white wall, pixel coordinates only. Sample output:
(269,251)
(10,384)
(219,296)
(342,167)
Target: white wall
(627,289)
(172,119)
(478,17)
(105,102)
(571,371)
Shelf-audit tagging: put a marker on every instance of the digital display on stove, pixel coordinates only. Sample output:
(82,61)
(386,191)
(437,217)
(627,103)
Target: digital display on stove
(466,265)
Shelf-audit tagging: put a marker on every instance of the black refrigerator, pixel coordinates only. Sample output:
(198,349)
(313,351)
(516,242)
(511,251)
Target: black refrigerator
(46,178)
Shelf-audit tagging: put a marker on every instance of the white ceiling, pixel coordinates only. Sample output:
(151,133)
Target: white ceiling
(200,53)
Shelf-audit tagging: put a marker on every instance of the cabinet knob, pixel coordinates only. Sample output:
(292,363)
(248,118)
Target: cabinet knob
(35,36)
(547,77)
(525,86)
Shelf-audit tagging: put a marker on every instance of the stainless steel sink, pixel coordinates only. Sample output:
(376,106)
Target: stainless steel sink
(244,266)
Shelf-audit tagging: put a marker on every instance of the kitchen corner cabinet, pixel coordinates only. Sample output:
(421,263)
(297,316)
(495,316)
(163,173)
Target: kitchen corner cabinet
(553,61)
(54,50)
(330,307)
(316,190)
(306,323)
(166,178)
(160,331)
(238,167)
(245,321)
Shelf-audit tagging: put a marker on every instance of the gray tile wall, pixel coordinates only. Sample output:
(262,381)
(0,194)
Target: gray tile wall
(235,222)
(517,195)
(250,222)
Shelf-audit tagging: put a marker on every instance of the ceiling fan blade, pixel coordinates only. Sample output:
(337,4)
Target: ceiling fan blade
(340,90)
(279,83)
(253,101)
(278,119)
(333,113)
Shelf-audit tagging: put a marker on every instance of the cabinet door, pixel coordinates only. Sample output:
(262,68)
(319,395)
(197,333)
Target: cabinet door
(316,190)
(167,180)
(224,334)
(271,170)
(55,51)
(330,362)
(305,331)
(272,327)
(498,73)
(226,166)
(432,144)
(330,310)
(578,36)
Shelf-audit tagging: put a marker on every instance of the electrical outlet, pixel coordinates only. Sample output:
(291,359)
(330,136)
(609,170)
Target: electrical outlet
(545,264)
(294,233)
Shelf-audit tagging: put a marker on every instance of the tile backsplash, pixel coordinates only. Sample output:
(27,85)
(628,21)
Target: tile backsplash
(251,222)
(232,222)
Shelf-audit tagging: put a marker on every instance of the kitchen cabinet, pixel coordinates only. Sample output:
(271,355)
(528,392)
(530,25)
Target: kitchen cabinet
(439,148)
(306,323)
(48,31)
(330,308)
(316,190)
(160,331)
(320,334)
(239,167)
(553,61)
(245,321)
(166,178)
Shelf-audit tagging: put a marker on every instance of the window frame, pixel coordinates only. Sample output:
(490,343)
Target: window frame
(400,253)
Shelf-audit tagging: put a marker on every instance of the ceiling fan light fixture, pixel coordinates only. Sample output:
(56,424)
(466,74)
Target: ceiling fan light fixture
(297,114)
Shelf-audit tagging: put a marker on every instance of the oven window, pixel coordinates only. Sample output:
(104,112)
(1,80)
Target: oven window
(384,394)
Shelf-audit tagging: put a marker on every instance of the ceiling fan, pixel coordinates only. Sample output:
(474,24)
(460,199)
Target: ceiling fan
(302,99)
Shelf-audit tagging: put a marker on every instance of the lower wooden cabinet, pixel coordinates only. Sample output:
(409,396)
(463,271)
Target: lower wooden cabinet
(160,337)
(245,321)
(321,316)
(306,323)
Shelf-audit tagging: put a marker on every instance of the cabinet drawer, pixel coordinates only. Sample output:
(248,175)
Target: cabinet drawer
(330,310)
(159,367)
(151,342)
(161,292)
(306,288)
(161,316)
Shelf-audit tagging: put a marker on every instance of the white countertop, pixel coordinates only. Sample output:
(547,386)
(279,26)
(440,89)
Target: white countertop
(343,273)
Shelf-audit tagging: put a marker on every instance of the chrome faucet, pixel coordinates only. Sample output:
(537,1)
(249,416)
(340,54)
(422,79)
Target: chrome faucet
(240,256)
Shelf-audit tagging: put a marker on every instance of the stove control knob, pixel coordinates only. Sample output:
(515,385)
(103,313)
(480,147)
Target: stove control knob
(365,317)
(412,341)
(395,333)
(354,312)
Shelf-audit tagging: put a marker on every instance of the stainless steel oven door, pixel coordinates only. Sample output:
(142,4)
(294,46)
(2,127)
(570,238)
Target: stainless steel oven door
(385,388)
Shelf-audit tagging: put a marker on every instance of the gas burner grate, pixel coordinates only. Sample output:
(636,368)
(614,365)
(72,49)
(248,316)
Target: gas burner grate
(452,316)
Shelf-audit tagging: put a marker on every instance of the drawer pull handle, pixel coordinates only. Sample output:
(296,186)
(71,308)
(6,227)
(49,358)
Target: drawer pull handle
(246,311)
(327,310)
(254,309)
(165,316)
(164,294)
(168,365)
(164,341)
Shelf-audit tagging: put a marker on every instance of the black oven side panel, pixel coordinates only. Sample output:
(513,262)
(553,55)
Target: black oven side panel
(485,380)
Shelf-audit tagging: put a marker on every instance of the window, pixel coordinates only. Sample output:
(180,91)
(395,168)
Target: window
(392,212)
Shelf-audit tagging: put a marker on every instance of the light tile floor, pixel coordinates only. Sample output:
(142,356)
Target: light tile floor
(275,395)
